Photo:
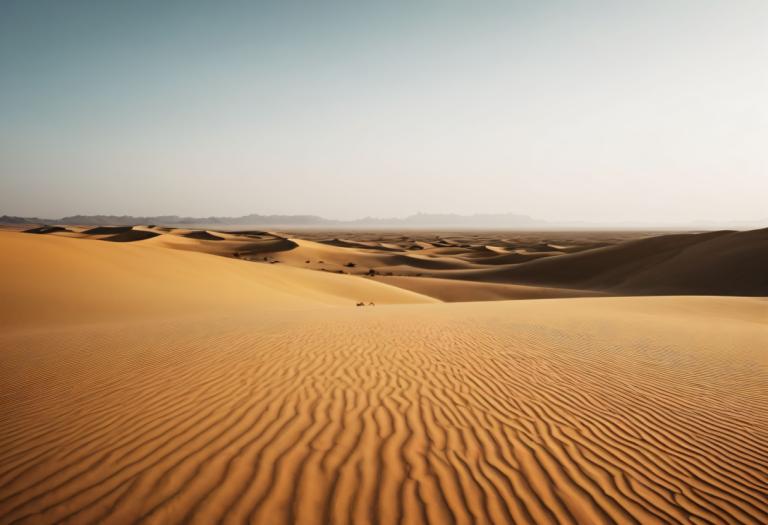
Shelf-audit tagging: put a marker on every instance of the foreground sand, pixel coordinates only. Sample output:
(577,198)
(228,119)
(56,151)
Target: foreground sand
(569,411)
(597,410)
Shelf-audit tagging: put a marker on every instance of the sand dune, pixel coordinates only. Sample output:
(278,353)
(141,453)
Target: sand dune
(343,243)
(454,290)
(203,235)
(47,229)
(712,263)
(151,382)
(639,410)
(131,236)
(243,247)
(47,279)
(715,263)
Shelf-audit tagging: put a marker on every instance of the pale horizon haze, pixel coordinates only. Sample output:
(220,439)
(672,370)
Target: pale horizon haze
(654,112)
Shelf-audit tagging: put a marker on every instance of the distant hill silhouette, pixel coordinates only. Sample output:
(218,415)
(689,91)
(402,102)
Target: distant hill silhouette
(9,219)
(489,221)
(508,220)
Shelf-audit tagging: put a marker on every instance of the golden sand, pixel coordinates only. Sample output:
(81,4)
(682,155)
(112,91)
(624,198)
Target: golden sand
(143,384)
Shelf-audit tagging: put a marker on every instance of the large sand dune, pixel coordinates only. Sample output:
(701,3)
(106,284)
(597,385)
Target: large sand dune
(714,263)
(47,279)
(146,384)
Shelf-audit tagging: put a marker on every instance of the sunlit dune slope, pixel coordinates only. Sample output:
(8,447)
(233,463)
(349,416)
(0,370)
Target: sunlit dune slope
(628,410)
(454,290)
(46,278)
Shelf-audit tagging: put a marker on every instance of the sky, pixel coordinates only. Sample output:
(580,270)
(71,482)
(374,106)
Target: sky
(652,111)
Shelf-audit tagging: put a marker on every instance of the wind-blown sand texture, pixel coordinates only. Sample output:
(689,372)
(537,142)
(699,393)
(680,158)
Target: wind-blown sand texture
(262,394)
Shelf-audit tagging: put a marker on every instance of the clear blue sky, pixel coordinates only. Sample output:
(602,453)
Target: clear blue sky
(564,110)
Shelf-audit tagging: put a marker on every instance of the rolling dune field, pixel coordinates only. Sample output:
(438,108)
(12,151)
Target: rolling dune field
(146,384)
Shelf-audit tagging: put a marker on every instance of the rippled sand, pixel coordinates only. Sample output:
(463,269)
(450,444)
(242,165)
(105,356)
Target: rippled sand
(642,410)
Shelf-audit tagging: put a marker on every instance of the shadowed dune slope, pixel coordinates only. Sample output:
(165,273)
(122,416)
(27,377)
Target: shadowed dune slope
(590,411)
(46,229)
(203,235)
(714,263)
(53,279)
(343,243)
(131,236)
(108,230)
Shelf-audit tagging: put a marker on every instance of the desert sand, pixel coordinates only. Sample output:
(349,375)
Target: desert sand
(175,376)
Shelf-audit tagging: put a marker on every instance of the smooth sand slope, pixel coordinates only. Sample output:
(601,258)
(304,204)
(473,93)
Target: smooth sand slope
(598,410)
(455,290)
(48,279)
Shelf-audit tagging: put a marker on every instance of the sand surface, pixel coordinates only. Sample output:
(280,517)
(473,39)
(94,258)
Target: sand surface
(561,264)
(47,279)
(455,290)
(146,384)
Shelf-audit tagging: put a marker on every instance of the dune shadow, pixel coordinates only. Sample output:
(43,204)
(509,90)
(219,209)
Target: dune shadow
(203,236)
(46,229)
(106,230)
(131,236)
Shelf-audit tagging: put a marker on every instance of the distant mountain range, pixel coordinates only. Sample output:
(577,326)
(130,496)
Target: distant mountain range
(419,220)
(507,220)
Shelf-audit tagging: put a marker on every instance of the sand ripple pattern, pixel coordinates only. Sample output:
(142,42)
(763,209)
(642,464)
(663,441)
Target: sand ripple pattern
(465,415)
